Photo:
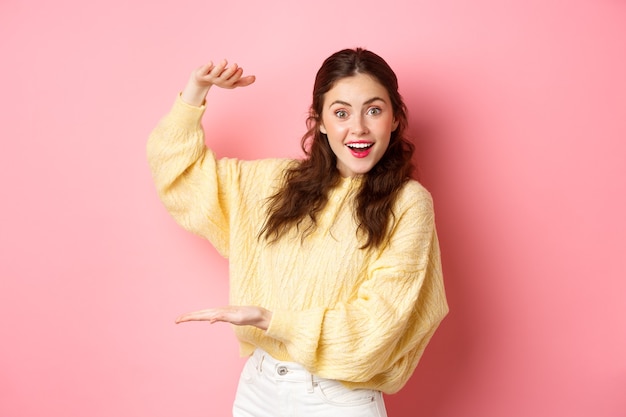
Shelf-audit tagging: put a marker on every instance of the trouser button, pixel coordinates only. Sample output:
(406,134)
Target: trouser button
(282,370)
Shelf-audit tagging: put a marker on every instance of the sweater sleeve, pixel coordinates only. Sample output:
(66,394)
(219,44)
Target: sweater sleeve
(380,335)
(193,185)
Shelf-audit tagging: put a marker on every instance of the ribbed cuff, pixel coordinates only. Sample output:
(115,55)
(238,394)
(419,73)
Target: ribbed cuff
(186,115)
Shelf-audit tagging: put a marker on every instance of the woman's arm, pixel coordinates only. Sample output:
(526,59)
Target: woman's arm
(384,330)
(189,179)
(388,324)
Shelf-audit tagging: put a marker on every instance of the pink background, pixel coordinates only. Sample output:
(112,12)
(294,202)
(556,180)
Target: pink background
(521,110)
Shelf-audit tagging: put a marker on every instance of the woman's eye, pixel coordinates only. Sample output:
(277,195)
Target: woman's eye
(342,114)
(374,111)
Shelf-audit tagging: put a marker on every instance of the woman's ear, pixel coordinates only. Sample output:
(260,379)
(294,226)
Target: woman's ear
(395,124)
(323,128)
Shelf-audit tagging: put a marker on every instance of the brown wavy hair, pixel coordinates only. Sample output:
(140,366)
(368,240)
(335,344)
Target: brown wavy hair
(307,183)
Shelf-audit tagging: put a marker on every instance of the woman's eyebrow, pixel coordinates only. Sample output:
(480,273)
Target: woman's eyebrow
(345,103)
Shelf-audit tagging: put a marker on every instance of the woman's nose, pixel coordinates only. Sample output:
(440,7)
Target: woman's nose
(359,126)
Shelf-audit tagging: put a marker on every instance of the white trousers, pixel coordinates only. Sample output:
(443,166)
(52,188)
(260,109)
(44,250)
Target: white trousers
(270,388)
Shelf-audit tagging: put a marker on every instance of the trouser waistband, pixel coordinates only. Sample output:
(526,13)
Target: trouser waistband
(282,370)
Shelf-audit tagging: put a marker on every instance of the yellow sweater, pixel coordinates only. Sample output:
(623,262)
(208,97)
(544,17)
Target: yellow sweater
(363,317)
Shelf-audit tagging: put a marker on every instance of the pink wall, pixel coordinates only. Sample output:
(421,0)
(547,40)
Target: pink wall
(521,106)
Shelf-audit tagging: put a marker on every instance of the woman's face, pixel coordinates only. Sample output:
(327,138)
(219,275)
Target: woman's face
(357,117)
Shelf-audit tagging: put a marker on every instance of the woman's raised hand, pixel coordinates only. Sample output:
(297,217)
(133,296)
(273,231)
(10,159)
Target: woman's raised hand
(221,75)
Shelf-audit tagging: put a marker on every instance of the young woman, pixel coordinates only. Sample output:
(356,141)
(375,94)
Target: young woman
(335,272)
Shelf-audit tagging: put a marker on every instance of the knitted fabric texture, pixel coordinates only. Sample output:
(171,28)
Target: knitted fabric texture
(360,316)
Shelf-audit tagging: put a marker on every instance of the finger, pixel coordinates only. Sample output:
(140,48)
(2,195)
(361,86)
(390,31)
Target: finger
(203,315)
(238,80)
(245,81)
(230,72)
(229,78)
(205,69)
(219,68)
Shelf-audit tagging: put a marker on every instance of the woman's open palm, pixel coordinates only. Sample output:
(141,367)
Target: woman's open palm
(237,315)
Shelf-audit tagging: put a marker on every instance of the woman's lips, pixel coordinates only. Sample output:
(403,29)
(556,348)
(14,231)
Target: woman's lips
(360,149)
